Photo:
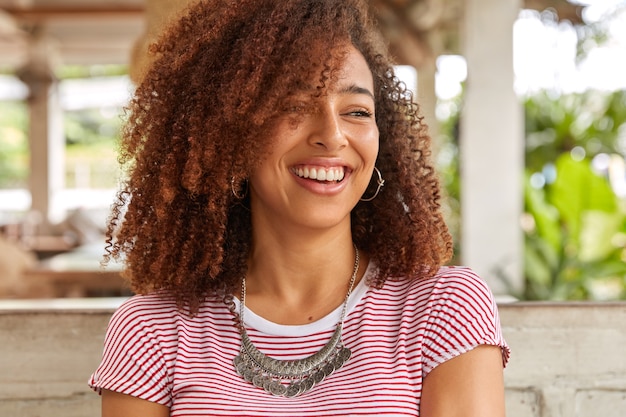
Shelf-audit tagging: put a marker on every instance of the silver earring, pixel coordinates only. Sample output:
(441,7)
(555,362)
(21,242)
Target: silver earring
(380,182)
(245,189)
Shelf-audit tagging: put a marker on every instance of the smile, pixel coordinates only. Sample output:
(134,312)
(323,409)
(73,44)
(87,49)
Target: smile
(320,173)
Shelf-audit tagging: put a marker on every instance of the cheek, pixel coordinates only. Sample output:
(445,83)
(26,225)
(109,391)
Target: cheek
(370,145)
(376,141)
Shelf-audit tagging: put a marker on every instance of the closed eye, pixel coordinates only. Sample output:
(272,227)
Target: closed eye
(361,113)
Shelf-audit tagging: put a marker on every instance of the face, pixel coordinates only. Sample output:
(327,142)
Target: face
(322,155)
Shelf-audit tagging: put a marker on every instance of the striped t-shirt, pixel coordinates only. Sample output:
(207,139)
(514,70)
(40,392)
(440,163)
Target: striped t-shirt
(397,335)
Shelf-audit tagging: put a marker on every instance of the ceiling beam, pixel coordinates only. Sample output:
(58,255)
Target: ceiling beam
(39,13)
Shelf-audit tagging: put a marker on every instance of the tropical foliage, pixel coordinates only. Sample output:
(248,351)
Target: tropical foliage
(575,222)
(575,232)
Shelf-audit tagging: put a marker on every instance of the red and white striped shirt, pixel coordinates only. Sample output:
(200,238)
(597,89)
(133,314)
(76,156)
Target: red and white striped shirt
(397,335)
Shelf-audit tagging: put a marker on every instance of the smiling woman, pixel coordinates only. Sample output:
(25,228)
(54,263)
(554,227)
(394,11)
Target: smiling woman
(275,274)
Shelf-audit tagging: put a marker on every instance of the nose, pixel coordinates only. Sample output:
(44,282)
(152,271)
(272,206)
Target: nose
(326,131)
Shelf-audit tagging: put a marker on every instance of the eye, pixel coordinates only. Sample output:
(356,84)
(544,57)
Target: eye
(364,113)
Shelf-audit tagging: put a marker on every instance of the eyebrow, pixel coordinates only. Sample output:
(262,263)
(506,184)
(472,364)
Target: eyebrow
(355,89)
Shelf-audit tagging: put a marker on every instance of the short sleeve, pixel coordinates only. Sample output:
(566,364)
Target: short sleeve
(462,315)
(133,361)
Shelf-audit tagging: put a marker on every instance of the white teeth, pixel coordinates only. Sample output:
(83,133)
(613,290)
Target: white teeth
(320,174)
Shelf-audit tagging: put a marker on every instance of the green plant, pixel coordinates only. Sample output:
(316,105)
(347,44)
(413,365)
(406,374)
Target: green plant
(575,245)
(593,121)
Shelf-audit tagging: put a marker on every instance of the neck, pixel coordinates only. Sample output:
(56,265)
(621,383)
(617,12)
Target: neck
(290,258)
(300,280)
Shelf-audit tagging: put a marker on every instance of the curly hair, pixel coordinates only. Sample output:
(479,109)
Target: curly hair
(201,118)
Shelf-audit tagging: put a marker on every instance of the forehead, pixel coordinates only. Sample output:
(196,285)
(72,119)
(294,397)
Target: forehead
(354,69)
(347,68)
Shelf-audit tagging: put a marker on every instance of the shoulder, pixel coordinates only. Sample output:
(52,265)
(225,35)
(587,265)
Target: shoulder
(451,289)
(459,290)
(138,318)
(450,282)
(453,296)
(159,311)
(145,307)
(460,282)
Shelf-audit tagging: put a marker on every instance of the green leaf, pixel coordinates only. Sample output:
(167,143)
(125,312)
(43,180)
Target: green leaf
(599,229)
(545,215)
(578,189)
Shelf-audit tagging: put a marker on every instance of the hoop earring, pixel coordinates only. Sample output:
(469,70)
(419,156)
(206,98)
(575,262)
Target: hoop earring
(245,189)
(380,182)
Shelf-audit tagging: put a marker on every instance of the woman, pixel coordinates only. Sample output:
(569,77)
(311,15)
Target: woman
(281,223)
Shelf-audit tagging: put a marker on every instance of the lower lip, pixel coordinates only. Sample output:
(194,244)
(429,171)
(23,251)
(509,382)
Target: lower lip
(322,188)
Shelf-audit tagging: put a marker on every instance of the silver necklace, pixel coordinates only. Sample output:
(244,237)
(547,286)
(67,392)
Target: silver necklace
(290,378)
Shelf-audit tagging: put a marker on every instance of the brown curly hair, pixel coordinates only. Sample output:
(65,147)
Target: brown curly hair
(201,118)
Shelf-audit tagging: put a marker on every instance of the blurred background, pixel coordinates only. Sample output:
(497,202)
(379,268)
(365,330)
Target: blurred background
(525,100)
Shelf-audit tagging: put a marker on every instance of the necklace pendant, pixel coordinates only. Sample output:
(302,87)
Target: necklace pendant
(293,390)
(277,385)
(276,388)
(291,378)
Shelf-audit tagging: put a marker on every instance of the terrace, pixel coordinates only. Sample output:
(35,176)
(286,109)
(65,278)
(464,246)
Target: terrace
(568,358)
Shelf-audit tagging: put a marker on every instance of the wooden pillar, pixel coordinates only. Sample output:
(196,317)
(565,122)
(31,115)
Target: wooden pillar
(491,146)
(46,137)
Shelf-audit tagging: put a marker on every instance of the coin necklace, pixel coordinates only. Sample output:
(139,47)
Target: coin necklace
(290,378)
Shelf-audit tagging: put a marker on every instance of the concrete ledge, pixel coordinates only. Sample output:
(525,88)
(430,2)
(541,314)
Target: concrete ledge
(569,359)
(56,305)
(46,357)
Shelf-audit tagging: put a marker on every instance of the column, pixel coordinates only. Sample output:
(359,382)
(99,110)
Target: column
(46,137)
(491,146)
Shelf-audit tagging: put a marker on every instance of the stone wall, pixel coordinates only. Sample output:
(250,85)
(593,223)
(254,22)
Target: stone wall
(569,360)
